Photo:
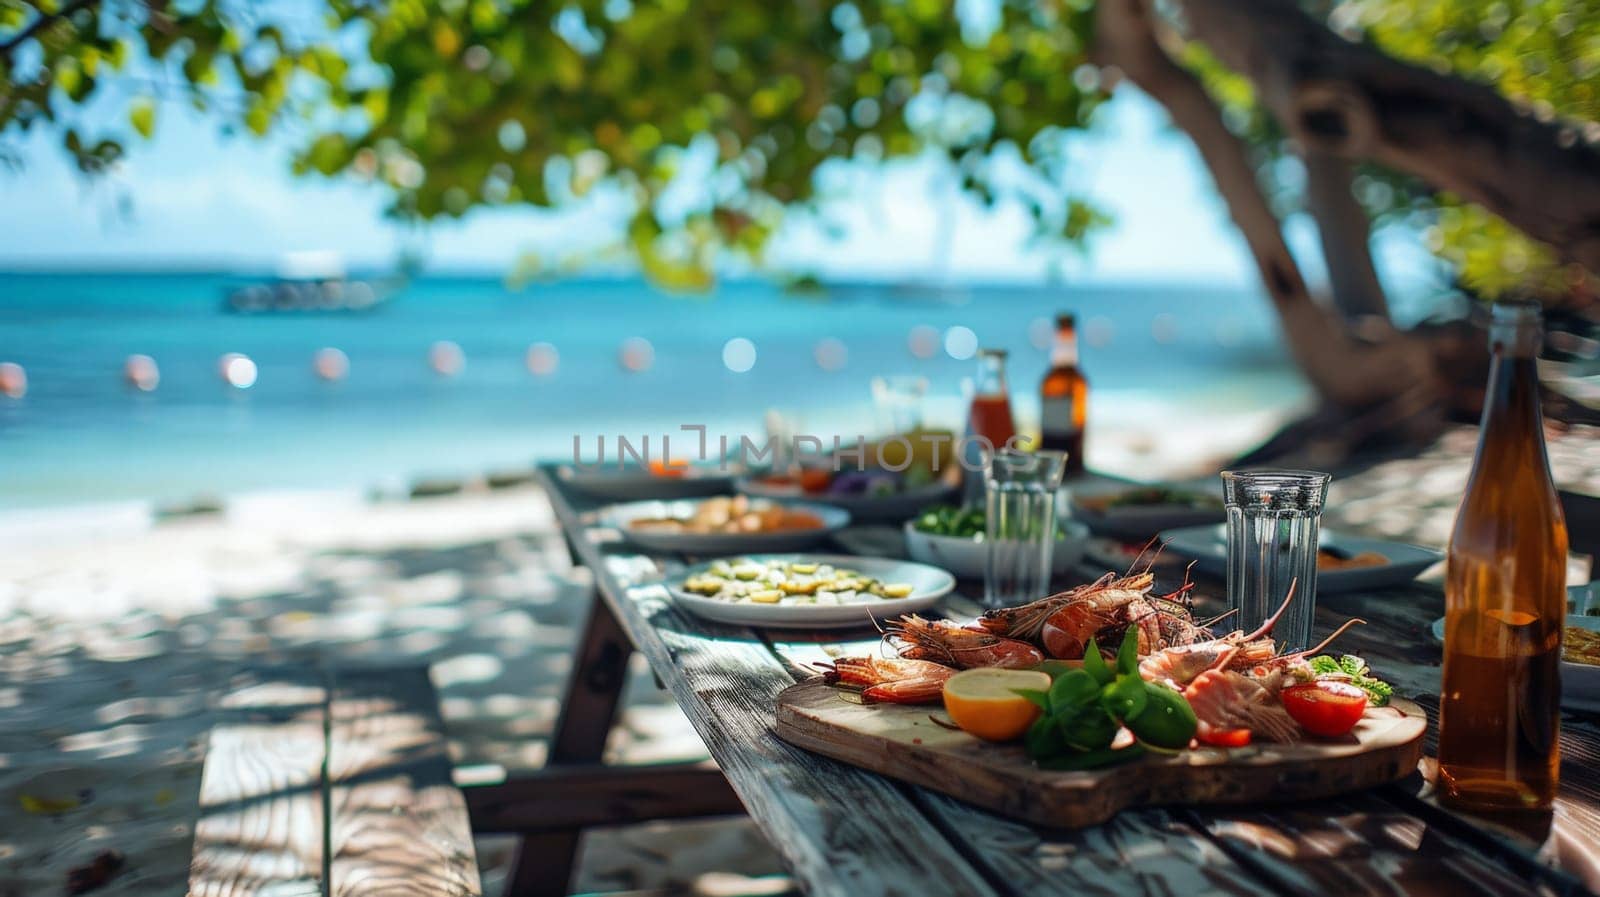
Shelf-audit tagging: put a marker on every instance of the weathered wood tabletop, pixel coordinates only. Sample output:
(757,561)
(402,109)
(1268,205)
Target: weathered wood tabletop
(847,832)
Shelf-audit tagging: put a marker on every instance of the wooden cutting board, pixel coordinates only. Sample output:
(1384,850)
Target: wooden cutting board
(904,743)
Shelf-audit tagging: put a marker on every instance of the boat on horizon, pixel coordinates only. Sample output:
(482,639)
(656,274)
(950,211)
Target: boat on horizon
(309,282)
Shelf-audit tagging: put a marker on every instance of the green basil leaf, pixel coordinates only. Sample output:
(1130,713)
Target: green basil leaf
(1073,689)
(1044,739)
(1090,729)
(1036,696)
(1095,665)
(1128,654)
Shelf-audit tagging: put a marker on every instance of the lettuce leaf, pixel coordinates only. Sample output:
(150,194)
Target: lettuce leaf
(1353,667)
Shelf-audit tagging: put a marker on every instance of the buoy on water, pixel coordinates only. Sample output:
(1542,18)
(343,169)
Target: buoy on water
(923,341)
(13,380)
(237,370)
(637,354)
(830,353)
(446,358)
(141,373)
(330,365)
(542,359)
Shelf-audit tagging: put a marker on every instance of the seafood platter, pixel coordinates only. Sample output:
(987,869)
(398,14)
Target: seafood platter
(1070,708)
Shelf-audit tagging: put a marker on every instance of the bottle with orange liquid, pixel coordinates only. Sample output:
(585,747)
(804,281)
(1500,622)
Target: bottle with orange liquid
(989,417)
(1064,397)
(1505,596)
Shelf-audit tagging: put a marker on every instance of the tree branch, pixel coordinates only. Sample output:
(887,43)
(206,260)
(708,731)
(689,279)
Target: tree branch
(1344,371)
(35,26)
(1346,237)
(1352,100)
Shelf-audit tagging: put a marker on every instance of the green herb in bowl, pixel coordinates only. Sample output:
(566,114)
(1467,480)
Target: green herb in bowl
(949,520)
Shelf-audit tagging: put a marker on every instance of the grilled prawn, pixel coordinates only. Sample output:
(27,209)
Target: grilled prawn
(945,642)
(890,680)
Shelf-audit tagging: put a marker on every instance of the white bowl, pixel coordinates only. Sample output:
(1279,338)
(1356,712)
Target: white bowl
(965,556)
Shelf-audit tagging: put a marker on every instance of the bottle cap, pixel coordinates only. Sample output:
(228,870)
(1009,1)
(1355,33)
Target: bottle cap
(992,353)
(1066,319)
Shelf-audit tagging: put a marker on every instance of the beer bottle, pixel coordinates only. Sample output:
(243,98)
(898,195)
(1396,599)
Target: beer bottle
(1064,397)
(1505,596)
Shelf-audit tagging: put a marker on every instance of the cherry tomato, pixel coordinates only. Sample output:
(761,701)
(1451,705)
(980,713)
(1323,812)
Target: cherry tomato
(1229,738)
(1329,709)
(672,469)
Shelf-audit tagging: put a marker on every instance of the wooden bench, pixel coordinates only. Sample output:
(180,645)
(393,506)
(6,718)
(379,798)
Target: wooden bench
(331,782)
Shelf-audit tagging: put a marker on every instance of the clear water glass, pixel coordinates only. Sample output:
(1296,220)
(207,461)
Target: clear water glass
(1273,517)
(898,400)
(1020,495)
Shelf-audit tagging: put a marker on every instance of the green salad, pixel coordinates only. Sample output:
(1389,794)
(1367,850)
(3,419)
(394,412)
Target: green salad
(956,522)
(949,520)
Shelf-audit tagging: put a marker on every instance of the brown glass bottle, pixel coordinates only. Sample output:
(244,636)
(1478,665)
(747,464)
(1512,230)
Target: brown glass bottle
(1064,397)
(1505,596)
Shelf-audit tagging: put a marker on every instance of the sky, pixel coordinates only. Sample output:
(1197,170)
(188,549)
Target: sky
(195,198)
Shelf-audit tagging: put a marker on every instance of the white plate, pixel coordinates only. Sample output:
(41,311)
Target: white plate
(1208,546)
(618,517)
(615,483)
(928,585)
(965,556)
(1580,682)
(891,508)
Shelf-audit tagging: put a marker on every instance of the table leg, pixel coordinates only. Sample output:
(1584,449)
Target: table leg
(543,867)
(594,690)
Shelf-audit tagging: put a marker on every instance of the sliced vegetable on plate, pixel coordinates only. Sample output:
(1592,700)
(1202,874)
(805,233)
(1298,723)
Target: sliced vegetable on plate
(808,590)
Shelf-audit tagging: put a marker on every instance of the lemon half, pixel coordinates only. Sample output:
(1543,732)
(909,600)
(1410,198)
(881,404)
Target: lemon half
(985,703)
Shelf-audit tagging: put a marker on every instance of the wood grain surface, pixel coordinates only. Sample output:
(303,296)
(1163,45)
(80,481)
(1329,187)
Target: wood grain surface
(397,824)
(1391,840)
(318,784)
(1150,851)
(260,829)
(905,743)
(840,830)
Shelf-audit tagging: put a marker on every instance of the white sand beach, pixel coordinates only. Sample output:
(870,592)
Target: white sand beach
(114,638)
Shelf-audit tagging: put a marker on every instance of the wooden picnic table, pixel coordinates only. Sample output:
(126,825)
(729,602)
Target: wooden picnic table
(845,832)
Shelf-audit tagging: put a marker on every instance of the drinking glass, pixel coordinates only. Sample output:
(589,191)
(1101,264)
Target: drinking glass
(899,402)
(1020,491)
(1272,542)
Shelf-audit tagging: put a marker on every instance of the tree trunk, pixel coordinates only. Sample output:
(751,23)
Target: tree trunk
(1395,372)
(1351,100)
(1346,240)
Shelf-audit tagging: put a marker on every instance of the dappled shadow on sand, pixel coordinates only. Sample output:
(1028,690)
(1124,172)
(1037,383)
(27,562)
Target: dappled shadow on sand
(112,655)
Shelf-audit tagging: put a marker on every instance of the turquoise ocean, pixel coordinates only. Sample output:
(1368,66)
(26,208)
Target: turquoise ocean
(80,435)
